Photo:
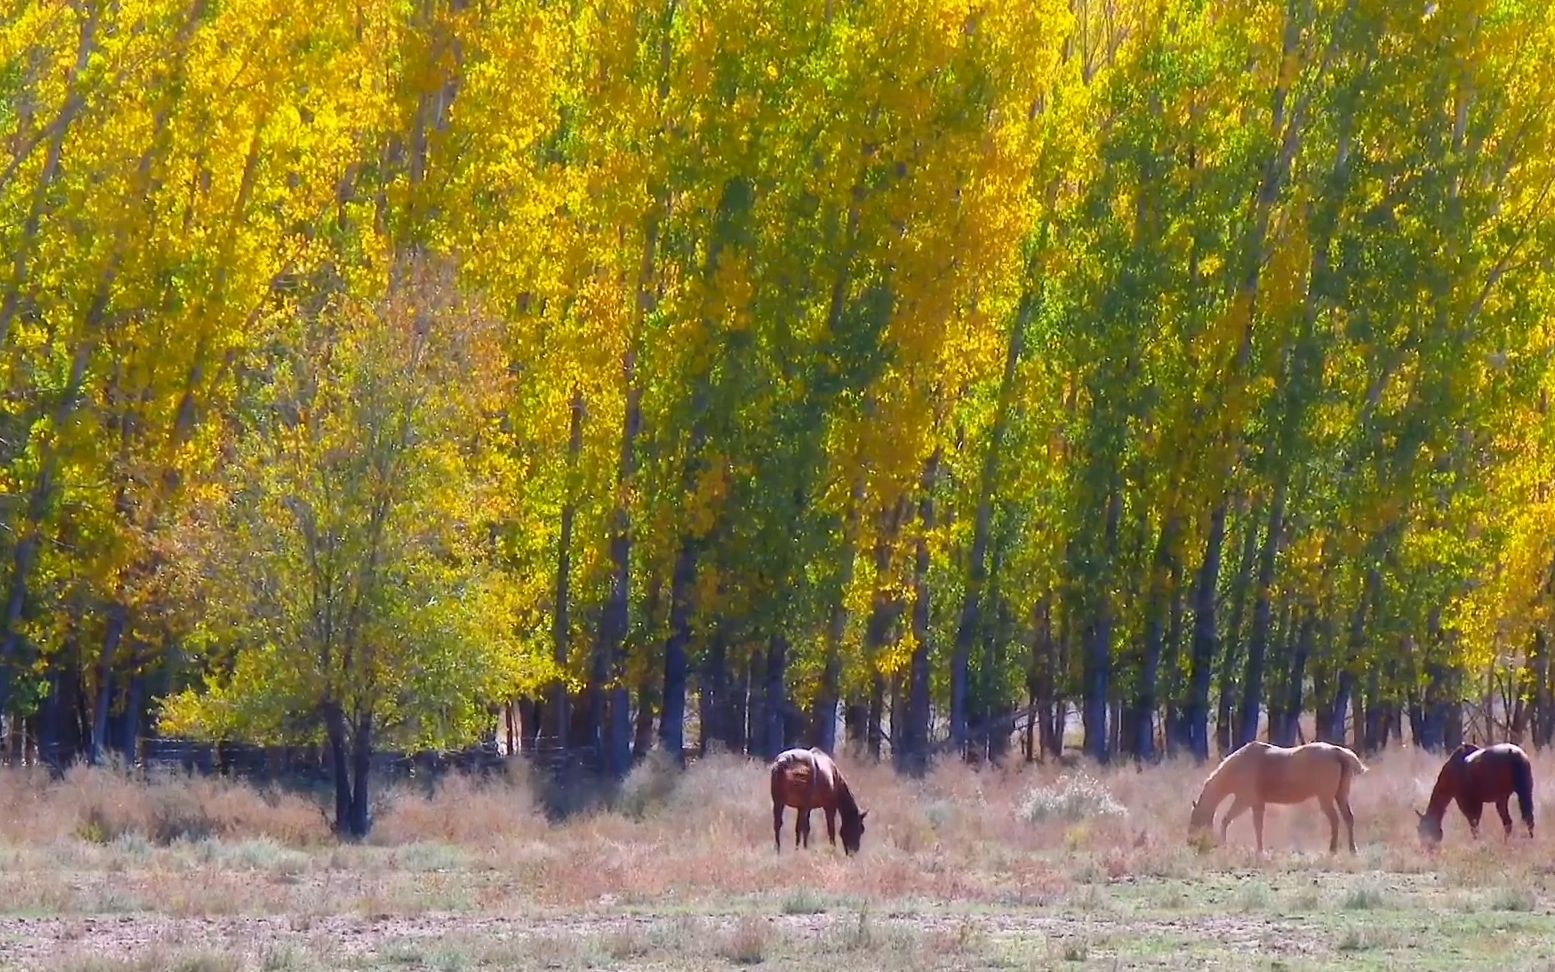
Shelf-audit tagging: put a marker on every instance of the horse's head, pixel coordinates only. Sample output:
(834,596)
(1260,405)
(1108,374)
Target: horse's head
(853,832)
(1429,829)
(1199,818)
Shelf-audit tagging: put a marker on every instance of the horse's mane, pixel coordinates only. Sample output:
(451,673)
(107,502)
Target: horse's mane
(846,805)
(1447,780)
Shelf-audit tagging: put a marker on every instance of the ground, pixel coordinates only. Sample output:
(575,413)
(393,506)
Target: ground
(1030,867)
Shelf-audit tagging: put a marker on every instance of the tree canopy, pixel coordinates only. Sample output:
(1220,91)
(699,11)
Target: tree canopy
(663,364)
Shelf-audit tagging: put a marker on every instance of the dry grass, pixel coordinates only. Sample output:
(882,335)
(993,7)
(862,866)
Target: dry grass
(1024,833)
(104,805)
(947,851)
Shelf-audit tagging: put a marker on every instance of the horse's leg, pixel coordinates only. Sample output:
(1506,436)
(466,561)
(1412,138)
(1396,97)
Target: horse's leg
(831,825)
(1471,812)
(1238,807)
(1258,825)
(1327,804)
(1349,820)
(1506,816)
(777,826)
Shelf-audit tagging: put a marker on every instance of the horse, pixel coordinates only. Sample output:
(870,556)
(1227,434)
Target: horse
(1474,777)
(807,779)
(1260,774)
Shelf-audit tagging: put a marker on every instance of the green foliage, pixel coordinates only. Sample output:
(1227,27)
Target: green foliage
(1037,290)
(345,558)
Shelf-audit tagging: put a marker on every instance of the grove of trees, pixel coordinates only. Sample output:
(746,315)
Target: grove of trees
(675,372)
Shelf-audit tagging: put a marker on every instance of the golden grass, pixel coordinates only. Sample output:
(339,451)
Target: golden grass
(190,846)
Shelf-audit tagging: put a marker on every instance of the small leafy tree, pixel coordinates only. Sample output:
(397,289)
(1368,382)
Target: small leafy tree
(344,568)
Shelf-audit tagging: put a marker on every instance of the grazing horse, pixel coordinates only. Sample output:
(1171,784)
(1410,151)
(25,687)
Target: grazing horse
(1475,777)
(807,779)
(1259,774)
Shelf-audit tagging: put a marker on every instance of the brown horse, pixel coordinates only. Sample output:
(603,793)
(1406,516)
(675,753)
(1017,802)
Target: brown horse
(1259,774)
(807,779)
(1474,777)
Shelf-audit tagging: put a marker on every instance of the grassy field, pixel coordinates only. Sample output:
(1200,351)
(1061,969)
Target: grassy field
(1026,868)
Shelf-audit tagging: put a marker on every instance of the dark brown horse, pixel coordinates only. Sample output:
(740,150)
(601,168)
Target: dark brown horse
(1474,777)
(807,779)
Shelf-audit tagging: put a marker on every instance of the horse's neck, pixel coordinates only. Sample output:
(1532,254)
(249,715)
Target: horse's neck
(845,802)
(1220,783)
(1447,783)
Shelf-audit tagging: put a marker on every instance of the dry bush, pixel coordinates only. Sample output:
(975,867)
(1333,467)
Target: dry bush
(461,809)
(1074,798)
(648,788)
(104,804)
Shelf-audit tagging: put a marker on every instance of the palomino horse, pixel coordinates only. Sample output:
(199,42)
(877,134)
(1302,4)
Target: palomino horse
(807,779)
(1475,777)
(1259,774)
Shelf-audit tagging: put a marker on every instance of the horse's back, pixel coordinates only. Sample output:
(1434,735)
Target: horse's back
(1291,774)
(1492,772)
(802,778)
(1499,753)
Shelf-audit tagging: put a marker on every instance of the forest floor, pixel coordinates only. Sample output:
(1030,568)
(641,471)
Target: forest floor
(1031,867)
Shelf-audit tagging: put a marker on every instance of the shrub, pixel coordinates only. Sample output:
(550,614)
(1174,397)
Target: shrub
(462,809)
(648,786)
(803,902)
(1072,799)
(1364,898)
(1506,898)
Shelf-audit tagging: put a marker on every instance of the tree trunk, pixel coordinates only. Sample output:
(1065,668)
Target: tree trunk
(611,704)
(561,624)
(642,729)
(1205,638)
(876,711)
(1258,642)
(855,726)
(340,765)
(117,615)
(1533,688)
(127,736)
(1228,658)
(977,566)
(1043,680)
(737,712)
(898,713)
(1376,713)
(1171,730)
(673,717)
(915,746)
(1333,731)
(713,699)
(1098,649)
(1158,601)
(361,769)
(823,715)
(1291,723)
(756,710)
(776,696)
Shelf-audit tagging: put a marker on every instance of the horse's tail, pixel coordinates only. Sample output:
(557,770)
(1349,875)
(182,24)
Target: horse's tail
(1522,781)
(1350,763)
